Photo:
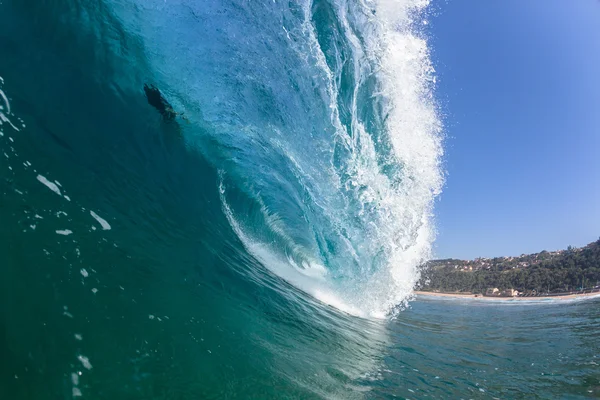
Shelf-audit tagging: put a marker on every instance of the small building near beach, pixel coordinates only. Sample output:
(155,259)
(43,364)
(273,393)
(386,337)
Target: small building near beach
(495,292)
(510,293)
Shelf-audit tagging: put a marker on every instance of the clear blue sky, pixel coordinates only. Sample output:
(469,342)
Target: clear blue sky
(519,86)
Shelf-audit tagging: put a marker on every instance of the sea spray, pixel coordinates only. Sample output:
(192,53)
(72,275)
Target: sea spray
(396,209)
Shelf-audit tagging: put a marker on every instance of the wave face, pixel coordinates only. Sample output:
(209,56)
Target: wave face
(321,120)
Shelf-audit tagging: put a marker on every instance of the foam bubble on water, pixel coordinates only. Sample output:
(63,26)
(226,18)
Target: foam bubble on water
(64,232)
(6,102)
(50,185)
(105,225)
(4,119)
(84,361)
(84,272)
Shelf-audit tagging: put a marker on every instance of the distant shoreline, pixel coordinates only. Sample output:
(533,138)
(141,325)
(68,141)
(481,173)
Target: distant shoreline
(493,298)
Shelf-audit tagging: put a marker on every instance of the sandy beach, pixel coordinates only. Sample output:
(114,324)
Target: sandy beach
(479,297)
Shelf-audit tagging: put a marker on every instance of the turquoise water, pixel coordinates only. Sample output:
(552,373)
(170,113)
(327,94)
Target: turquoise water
(267,246)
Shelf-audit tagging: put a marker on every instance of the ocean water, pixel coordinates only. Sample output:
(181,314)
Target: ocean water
(263,247)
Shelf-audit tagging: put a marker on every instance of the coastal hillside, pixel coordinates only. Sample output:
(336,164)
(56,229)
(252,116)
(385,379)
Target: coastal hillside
(545,272)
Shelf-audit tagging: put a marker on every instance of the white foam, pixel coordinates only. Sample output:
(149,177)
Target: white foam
(84,272)
(5,99)
(50,185)
(85,361)
(394,223)
(64,232)
(105,225)
(4,119)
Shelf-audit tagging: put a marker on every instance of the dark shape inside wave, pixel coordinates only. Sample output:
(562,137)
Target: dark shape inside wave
(156,100)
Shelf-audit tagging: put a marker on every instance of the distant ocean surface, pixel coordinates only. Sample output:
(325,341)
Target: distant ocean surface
(264,244)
